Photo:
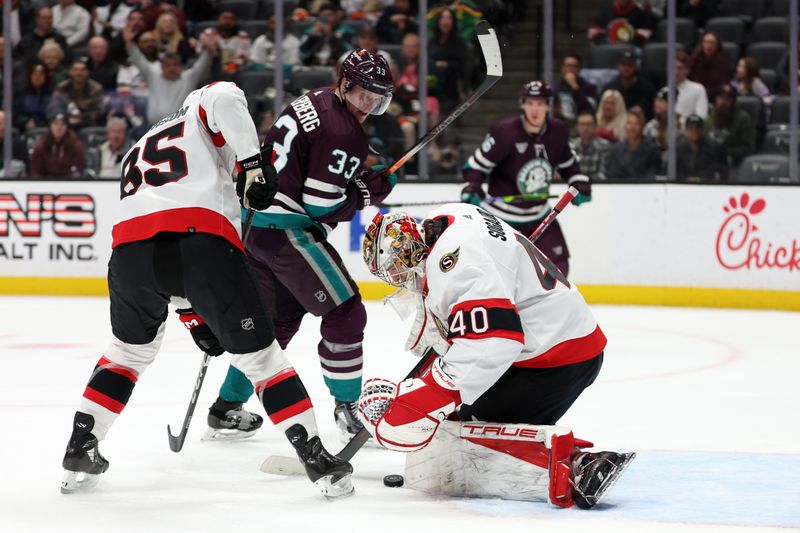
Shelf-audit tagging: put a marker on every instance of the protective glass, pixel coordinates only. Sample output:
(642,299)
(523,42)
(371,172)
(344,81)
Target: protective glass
(368,102)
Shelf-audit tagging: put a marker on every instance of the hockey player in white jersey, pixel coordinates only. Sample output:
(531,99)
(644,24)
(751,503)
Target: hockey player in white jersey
(178,234)
(517,345)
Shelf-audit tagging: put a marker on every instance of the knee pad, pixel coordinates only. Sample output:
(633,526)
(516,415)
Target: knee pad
(135,356)
(346,323)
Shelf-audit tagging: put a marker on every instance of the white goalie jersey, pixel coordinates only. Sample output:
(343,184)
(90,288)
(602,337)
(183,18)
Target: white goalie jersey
(503,301)
(177,178)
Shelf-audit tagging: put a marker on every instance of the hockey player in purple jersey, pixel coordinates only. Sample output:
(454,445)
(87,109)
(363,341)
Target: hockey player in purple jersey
(319,146)
(520,155)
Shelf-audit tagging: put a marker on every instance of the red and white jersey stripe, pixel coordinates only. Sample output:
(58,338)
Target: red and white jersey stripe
(504,302)
(178,177)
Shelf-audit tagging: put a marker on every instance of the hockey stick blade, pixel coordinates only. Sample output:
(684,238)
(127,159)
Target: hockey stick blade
(282,465)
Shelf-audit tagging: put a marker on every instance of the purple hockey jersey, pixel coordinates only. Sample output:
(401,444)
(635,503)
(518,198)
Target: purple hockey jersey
(319,147)
(517,162)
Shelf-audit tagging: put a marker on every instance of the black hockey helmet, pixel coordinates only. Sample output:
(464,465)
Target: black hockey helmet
(535,89)
(371,71)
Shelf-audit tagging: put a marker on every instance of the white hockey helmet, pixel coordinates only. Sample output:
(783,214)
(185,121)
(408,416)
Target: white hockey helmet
(394,249)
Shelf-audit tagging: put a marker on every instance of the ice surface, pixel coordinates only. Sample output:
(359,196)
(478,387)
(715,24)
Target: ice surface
(707,397)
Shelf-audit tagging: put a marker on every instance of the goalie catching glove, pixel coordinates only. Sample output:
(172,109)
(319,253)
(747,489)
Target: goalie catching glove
(405,416)
(202,335)
(257,180)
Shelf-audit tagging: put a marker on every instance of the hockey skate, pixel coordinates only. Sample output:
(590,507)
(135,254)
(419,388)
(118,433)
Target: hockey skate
(82,461)
(347,423)
(593,474)
(328,472)
(230,421)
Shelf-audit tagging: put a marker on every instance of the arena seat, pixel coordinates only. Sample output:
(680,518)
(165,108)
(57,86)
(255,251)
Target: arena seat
(770,29)
(254,82)
(763,168)
(255,28)
(768,54)
(244,9)
(729,29)
(606,55)
(747,10)
(685,31)
(304,79)
(754,107)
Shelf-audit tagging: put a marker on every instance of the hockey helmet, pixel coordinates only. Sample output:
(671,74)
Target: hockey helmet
(394,249)
(362,68)
(535,89)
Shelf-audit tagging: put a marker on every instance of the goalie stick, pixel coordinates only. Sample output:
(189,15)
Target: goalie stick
(291,466)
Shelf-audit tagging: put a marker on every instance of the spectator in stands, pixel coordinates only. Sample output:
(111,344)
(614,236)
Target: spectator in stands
(465,13)
(262,53)
(168,83)
(447,52)
(32,110)
(31,43)
(637,157)
(233,44)
(22,18)
(19,151)
(116,44)
(101,68)
(710,64)
(321,46)
(395,22)
(656,129)
(730,125)
(108,20)
(575,94)
(636,25)
(114,148)
(698,158)
(72,21)
(80,96)
(406,93)
(697,10)
(747,80)
(635,90)
(153,9)
(52,56)
(170,39)
(692,97)
(59,153)
(592,150)
(611,116)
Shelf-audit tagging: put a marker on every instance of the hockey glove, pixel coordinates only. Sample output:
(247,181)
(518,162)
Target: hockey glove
(472,194)
(581,199)
(584,189)
(372,186)
(425,333)
(203,337)
(257,181)
(413,411)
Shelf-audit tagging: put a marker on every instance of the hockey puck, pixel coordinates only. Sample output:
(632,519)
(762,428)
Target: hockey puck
(393,480)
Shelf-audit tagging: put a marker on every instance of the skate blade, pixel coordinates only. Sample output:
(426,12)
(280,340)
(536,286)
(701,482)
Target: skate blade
(226,434)
(78,482)
(282,465)
(335,490)
(613,476)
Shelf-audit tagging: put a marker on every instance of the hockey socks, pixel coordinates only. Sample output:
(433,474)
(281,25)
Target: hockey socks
(107,393)
(286,401)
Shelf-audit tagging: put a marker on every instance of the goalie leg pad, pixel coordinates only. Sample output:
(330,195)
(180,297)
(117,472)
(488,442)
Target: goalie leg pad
(494,460)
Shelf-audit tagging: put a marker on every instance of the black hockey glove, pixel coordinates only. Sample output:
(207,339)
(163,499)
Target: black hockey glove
(372,187)
(201,333)
(472,194)
(257,181)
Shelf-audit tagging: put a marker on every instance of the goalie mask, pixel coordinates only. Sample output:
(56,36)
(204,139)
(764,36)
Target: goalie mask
(394,249)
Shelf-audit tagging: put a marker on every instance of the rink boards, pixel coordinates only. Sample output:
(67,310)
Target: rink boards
(687,245)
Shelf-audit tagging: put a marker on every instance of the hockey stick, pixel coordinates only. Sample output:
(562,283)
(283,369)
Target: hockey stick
(176,441)
(509,198)
(562,203)
(487,38)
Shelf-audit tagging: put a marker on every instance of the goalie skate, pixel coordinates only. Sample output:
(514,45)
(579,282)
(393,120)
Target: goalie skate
(82,462)
(593,475)
(329,473)
(230,421)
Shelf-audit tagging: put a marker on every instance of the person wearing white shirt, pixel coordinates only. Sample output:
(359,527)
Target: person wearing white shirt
(262,51)
(114,148)
(71,21)
(109,20)
(692,97)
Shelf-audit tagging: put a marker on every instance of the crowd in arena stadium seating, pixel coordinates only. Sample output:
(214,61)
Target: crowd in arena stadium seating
(91,76)
(732,71)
